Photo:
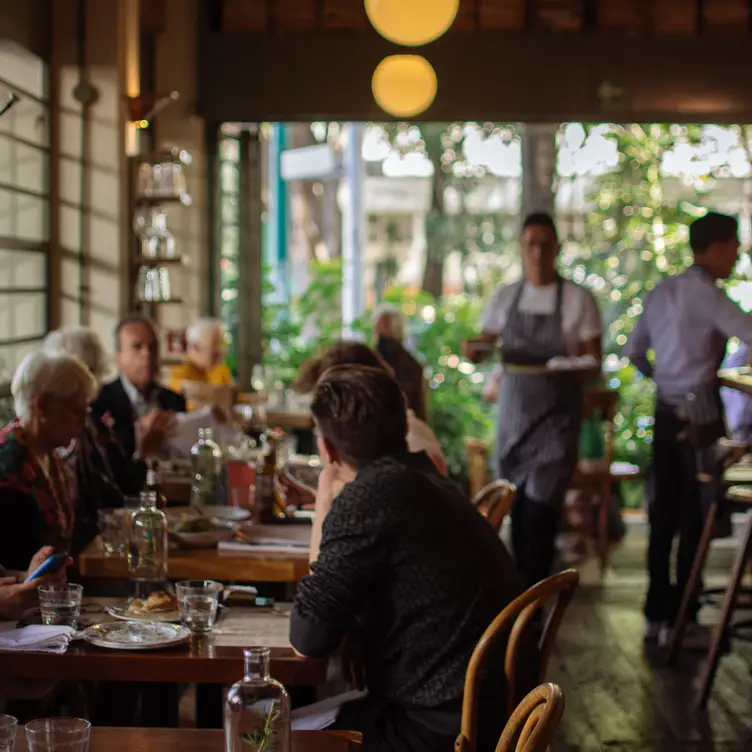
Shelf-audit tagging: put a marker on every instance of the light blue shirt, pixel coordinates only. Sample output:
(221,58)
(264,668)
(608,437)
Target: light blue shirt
(687,321)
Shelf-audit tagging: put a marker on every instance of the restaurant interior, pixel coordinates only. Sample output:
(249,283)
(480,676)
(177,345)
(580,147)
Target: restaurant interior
(249,183)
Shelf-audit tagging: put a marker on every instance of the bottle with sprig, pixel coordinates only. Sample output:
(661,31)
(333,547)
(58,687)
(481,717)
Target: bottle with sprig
(257,709)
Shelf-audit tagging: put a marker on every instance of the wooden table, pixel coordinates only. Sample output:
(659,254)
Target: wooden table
(213,659)
(205,563)
(192,740)
(737,378)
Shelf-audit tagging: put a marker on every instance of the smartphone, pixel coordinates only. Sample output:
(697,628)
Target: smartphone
(52,565)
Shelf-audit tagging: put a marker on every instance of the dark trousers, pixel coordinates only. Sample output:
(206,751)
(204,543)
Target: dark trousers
(676,509)
(534,528)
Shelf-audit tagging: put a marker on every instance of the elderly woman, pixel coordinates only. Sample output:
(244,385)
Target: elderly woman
(99,472)
(420,438)
(51,394)
(205,352)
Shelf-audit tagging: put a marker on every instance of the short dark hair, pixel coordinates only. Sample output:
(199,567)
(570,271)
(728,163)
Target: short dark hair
(714,227)
(131,318)
(339,354)
(540,219)
(362,412)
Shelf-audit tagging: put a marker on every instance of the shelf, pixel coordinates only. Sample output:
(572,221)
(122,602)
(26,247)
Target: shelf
(171,301)
(185,200)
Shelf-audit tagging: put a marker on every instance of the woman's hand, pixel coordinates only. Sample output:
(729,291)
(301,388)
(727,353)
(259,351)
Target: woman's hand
(17,597)
(38,559)
(329,487)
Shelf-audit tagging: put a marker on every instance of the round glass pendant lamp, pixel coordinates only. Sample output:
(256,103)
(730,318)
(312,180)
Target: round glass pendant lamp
(404,85)
(411,23)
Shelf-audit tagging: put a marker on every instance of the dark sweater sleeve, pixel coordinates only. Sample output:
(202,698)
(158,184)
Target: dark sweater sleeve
(351,559)
(20,535)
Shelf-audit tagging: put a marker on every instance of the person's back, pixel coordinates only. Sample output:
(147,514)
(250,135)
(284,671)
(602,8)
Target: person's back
(408,568)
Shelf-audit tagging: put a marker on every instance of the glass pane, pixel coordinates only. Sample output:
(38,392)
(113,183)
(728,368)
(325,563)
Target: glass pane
(23,315)
(230,241)
(23,216)
(230,214)
(229,150)
(22,165)
(27,119)
(23,68)
(22,269)
(10,357)
(230,178)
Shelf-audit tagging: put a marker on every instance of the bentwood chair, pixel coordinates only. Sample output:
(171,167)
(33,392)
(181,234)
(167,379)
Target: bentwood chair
(513,623)
(534,721)
(495,501)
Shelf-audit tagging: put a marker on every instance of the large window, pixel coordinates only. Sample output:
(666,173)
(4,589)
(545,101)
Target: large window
(24,205)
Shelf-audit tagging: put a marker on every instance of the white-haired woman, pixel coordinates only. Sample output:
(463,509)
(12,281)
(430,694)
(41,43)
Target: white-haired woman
(86,345)
(205,349)
(51,395)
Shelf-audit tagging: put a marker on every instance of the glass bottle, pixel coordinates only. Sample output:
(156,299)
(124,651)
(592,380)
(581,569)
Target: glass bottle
(152,484)
(257,709)
(206,458)
(267,503)
(147,537)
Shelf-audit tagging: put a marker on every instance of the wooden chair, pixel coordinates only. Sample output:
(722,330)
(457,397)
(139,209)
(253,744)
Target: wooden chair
(597,476)
(495,501)
(352,736)
(514,622)
(534,721)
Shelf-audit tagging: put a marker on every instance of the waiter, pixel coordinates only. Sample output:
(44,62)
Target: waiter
(686,322)
(538,318)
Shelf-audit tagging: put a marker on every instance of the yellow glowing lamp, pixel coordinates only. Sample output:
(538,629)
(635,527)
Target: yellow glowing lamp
(411,23)
(404,85)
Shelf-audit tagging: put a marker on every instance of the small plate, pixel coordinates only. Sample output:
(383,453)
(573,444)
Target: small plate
(213,511)
(136,635)
(208,539)
(166,617)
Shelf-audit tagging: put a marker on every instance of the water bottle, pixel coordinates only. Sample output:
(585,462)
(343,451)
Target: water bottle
(206,458)
(147,538)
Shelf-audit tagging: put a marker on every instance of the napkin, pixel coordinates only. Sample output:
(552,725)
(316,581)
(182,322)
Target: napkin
(36,639)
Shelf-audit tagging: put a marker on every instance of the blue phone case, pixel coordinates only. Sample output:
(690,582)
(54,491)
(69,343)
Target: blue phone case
(49,567)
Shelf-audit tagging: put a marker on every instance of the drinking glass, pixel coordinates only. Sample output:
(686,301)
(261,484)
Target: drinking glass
(60,604)
(8,726)
(111,532)
(198,601)
(58,735)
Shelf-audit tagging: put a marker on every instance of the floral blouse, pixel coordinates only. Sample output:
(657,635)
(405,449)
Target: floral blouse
(36,505)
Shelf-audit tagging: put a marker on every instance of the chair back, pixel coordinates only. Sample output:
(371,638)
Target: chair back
(513,622)
(495,501)
(534,721)
(477,464)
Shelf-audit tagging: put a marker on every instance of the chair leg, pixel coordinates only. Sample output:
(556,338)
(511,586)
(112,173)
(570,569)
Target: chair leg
(677,633)
(729,603)
(603,526)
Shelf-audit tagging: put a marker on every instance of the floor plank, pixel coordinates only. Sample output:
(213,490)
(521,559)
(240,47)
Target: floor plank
(623,698)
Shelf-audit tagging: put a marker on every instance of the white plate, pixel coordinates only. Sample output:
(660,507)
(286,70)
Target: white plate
(136,635)
(203,540)
(217,512)
(164,617)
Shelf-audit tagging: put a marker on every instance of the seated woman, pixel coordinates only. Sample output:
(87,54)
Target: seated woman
(205,352)
(420,438)
(51,395)
(98,471)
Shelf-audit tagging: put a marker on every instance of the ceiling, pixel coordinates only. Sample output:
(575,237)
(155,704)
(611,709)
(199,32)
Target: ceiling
(726,17)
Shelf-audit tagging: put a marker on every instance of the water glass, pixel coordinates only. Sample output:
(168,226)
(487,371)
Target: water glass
(111,530)
(8,725)
(58,735)
(198,601)
(60,604)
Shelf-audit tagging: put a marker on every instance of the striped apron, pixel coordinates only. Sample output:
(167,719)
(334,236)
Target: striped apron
(539,415)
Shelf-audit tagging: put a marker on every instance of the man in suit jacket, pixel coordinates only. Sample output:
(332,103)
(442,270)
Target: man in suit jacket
(141,412)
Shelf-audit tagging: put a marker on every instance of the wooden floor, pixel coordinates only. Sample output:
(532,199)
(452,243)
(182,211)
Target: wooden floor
(620,697)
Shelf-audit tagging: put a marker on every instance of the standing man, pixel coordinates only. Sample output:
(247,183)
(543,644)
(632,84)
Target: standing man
(686,322)
(538,318)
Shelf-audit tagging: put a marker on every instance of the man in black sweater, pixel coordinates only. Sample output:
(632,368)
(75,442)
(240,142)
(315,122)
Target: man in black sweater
(402,563)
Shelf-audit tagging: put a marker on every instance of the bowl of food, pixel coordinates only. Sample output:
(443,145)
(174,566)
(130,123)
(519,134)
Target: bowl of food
(159,606)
